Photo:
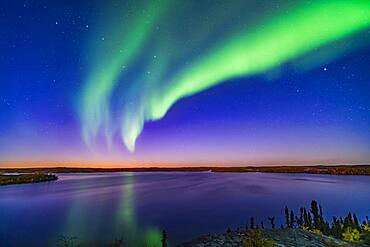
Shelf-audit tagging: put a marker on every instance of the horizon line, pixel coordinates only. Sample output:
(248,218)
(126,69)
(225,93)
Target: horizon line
(156,166)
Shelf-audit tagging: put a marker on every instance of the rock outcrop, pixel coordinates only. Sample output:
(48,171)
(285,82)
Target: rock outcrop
(282,237)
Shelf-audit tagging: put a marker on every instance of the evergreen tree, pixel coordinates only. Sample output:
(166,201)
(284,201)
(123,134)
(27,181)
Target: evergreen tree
(287,216)
(291,223)
(322,223)
(301,214)
(320,208)
(272,221)
(341,220)
(348,221)
(252,223)
(356,224)
(315,214)
(262,226)
(164,239)
(336,228)
(326,228)
(309,220)
(305,218)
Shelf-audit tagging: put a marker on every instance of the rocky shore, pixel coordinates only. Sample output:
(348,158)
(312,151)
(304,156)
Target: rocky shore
(281,237)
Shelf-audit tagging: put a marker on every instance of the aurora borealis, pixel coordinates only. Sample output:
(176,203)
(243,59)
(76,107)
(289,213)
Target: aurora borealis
(246,53)
(186,81)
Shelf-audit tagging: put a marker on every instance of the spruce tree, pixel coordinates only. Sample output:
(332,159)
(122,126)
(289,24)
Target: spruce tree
(309,220)
(348,221)
(356,224)
(287,217)
(315,214)
(252,223)
(164,239)
(291,223)
(272,221)
(300,222)
(305,217)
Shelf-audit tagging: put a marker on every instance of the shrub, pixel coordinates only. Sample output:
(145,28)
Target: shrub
(351,235)
(254,239)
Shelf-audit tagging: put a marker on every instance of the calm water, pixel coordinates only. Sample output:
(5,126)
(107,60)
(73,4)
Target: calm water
(137,206)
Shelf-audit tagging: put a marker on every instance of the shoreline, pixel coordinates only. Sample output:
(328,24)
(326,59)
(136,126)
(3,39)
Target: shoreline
(26,178)
(358,170)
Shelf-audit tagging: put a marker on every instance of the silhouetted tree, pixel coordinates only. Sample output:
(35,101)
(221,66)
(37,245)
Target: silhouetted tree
(287,216)
(356,224)
(272,221)
(341,220)
(252,223)
(315,214)
(336,229)
(164,239)
(348,221)
(309,220)
(291,223)
(306,219)
(300,221)
(262,226)
(348,229)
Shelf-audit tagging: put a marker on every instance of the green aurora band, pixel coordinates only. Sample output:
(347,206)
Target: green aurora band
(301,29)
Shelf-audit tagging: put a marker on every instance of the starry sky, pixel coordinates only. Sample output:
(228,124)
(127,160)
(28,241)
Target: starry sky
(185,82)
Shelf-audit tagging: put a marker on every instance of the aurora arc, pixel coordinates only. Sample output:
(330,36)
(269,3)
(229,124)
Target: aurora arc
(275,41)
(102,80)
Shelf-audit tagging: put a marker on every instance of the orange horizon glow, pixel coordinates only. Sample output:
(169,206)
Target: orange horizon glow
(136,164)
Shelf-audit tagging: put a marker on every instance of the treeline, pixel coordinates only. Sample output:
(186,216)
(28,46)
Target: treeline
(348,228)
(103,170)
(26,178)
(334,170)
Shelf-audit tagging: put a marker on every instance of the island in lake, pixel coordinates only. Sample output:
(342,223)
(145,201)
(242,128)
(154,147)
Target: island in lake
(35,177)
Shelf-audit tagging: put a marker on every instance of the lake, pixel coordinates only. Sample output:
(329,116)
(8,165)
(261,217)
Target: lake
(98,208)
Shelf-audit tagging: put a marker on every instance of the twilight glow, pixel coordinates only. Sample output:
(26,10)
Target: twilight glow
(164,82)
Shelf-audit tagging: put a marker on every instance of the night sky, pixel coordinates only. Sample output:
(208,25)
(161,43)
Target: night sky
(190,82)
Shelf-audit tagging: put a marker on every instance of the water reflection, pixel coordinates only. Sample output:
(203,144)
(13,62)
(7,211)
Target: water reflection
(87,214)
(126,218)
(99,208)
(78,223)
